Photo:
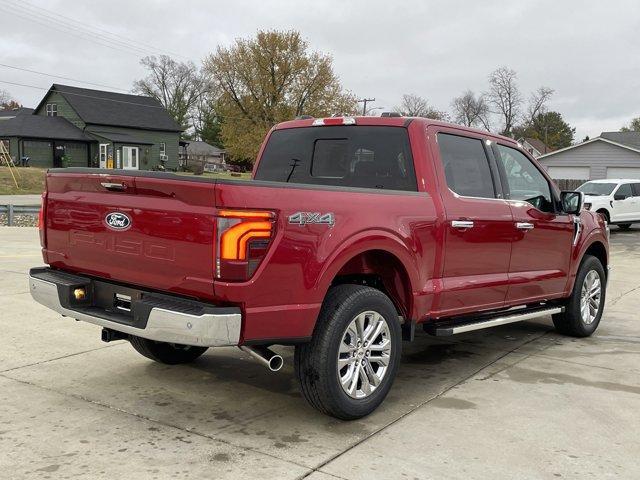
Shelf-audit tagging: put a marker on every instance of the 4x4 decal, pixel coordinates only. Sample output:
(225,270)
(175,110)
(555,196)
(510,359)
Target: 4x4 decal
(306,218)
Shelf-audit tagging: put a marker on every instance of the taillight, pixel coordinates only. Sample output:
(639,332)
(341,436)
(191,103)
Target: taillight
(242,241)
(41,226)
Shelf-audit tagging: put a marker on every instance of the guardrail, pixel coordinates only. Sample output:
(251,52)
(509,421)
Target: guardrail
(12,210)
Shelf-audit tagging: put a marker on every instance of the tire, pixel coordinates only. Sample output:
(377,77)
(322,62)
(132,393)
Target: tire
(169,353)
(316,363)
(573,321)
(624,226)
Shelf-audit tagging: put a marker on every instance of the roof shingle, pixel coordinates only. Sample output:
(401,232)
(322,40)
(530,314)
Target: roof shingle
(38,126)
(108,108)
(630,139)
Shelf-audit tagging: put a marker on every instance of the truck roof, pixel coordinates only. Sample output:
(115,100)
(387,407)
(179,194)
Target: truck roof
(392,122)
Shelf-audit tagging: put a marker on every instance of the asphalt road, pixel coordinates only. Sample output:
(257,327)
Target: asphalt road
(512,402)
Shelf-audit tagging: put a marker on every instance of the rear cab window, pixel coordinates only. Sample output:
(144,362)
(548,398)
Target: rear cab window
(377,157)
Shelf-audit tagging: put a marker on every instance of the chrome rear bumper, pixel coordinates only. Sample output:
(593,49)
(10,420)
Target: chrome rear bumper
(213,328)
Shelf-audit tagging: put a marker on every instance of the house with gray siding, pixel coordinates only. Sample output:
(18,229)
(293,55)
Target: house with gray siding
(610,155)
(74,126)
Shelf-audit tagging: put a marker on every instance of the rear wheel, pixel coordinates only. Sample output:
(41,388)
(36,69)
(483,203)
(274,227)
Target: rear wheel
(169,353)
(624,226)
(584,309)
(349,366)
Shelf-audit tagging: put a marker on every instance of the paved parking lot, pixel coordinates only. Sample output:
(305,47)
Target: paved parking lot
(513,402)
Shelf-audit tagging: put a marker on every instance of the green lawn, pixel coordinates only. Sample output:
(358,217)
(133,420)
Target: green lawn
(30,180)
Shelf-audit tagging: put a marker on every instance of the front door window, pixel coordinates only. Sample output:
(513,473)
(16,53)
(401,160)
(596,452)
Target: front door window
(524,180)
(130,158)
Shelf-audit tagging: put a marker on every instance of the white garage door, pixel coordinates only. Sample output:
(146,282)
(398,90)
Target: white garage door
(569,173)
(623,172)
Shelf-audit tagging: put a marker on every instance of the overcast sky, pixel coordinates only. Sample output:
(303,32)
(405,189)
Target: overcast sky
(587,51)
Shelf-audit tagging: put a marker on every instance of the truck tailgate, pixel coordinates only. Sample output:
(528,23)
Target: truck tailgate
(160,236)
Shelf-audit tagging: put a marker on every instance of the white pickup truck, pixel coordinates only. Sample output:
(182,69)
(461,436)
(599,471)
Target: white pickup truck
(618,200)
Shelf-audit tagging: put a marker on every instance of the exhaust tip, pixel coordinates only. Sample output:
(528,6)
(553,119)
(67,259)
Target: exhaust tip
(275,363)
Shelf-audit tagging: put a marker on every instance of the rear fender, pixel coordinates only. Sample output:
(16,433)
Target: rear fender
(364,242)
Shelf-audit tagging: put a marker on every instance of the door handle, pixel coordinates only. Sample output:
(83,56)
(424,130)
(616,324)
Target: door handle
(461,224)
(524,226)
(114,186)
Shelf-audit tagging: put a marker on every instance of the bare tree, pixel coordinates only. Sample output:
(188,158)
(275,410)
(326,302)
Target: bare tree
(176,85)
(5,98)
(538,102)
(416,106)
(504,95)
(471,111)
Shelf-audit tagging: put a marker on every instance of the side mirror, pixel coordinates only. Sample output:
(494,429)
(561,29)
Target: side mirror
(572,202)
(620,196)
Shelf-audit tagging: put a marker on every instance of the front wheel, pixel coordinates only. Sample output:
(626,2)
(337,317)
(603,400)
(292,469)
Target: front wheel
(624,226)
(348,367)
(169,353)
(583,310)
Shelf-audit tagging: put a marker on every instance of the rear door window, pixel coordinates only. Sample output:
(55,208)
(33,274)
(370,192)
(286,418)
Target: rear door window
(466,166)
(636,189)
(350,156)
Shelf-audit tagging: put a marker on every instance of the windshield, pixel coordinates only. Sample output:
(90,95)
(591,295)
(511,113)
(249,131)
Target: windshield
(592,188)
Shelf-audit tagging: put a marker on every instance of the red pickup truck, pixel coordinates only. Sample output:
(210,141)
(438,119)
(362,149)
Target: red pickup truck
(351,232)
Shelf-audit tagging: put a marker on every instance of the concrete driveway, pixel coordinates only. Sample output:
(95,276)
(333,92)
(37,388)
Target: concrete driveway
(511,402)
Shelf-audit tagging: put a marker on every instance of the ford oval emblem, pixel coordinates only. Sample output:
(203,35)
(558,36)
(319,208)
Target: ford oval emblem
(117,221)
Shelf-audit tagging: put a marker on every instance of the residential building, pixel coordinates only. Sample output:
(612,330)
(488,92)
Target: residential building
(81,127)
(610,155)
(210,157)
(534,146)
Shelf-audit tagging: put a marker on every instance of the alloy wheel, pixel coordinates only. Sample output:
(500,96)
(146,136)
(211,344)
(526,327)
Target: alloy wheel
(590,297)
(364,354)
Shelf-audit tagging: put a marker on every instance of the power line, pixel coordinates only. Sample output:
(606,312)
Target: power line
(116,101)
(118,37)
(66,30)
(60,76)
(83,95)
(76,29)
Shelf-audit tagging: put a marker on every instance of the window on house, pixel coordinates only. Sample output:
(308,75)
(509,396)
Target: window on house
(163,149)
(52,109)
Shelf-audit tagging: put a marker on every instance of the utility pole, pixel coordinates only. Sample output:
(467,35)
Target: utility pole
(364,102)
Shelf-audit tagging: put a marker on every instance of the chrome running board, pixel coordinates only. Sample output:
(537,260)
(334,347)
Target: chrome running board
(452,327)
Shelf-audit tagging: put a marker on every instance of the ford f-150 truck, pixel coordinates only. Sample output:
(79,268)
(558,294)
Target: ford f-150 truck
(352,232)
